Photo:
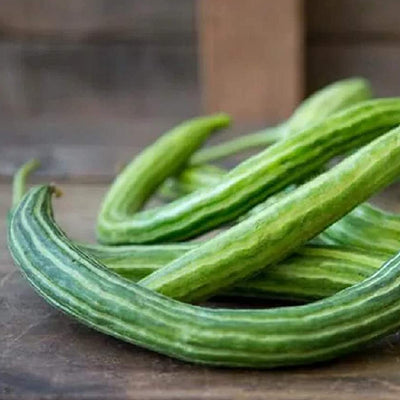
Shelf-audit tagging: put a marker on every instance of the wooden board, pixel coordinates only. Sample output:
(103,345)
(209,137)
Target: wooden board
(353,37)
(353,19)
(46,355)
(141,80)
(104,20)
(251,57)
(377,62)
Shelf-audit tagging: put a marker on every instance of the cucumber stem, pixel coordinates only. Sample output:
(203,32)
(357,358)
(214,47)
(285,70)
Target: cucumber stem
(259,139)
(19,180)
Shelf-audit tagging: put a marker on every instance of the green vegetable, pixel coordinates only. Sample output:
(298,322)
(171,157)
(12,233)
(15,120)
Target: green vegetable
(19,181)
(251,182)
(366,227)
(149,169)
(316,108)
(191,179)
(82,287)
(332,98)
(279,229)
(312,272)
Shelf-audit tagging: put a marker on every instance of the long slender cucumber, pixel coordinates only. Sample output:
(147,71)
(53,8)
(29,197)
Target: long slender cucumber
(316,108)
(312,272)
(251,182)
(366,227)
(276,231)
(82,287)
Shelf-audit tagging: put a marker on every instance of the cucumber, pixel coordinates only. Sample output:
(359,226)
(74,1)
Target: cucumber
(366,227)
(321,104)
(79,285)
(312,272)
(251,182)
(276,231)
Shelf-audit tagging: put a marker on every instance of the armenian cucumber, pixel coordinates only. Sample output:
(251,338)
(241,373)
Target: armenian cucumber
(276,231)
(250,183)
(82,287)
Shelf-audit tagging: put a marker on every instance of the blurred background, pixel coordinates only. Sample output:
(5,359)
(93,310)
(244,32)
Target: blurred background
(85,84)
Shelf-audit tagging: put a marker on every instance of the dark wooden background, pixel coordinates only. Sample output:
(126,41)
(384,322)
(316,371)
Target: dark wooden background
(85,84)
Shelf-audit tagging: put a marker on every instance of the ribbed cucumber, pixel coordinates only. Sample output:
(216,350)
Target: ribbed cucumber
(276,231)
(316,108)
(82,287)
(150,170)
(366,227)
(312,272)
(191,179)
(251,182)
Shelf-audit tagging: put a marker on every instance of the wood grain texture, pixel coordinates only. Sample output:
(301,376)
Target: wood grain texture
(44,354)
(251,57)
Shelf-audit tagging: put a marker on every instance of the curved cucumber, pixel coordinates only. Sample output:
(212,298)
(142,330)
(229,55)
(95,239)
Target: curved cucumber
(82,287)
(251,182)
(366,227)
(316,108)
(323,103)
(147,174)
(276,231)
(312,272)
(190,180)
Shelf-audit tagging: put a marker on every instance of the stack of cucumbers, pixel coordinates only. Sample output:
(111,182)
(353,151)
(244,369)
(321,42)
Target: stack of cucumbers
(290,226)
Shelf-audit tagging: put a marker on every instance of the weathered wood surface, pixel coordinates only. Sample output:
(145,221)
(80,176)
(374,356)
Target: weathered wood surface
(82,20)
(353,19)
(45,354)
(251,57)
(127,19)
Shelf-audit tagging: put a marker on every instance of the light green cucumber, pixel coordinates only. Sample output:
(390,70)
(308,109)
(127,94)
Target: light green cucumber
(276,231)
(289,161)
(366,227)
(316,108)
(325,102)
(312,272)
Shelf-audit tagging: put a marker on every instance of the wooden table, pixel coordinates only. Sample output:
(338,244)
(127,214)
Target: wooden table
(47,355)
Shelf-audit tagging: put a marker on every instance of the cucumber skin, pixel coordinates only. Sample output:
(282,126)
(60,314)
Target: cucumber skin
(366,227)
(321,104)
(251,182)
(275,232)
(82,287)
(312,272)
(148,170)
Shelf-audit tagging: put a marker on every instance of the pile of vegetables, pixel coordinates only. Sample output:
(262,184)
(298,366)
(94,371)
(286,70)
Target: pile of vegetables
(290,228)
